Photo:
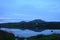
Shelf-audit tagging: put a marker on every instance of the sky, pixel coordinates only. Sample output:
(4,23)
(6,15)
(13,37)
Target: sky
(26,10)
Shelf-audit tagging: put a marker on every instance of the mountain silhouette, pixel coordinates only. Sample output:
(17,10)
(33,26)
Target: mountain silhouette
(37,21)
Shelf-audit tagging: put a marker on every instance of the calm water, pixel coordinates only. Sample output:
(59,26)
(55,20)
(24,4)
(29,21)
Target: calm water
(28,33)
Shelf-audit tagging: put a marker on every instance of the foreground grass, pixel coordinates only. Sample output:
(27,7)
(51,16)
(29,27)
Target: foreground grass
(44,37)
(6,36)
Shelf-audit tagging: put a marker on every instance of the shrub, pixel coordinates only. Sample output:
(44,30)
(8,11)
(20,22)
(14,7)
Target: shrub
(6,36)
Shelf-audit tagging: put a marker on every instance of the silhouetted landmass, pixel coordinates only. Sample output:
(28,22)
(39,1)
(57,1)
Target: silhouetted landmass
(45,37)
(33,25)
(6,36)
(36,25)
(37,21)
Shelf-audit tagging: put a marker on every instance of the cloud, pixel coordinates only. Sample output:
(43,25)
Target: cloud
(48,10)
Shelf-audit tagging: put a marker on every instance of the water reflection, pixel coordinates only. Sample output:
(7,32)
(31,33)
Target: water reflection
(28,33)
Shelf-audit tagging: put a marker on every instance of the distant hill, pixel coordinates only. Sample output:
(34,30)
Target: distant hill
(37,21)
(36,25)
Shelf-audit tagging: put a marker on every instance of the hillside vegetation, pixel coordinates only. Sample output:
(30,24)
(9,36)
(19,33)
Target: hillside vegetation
(34,24)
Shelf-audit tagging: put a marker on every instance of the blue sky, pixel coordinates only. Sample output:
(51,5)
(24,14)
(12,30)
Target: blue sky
(17,10)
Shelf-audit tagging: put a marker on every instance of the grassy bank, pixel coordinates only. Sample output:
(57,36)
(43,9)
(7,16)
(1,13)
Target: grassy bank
(44,37)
